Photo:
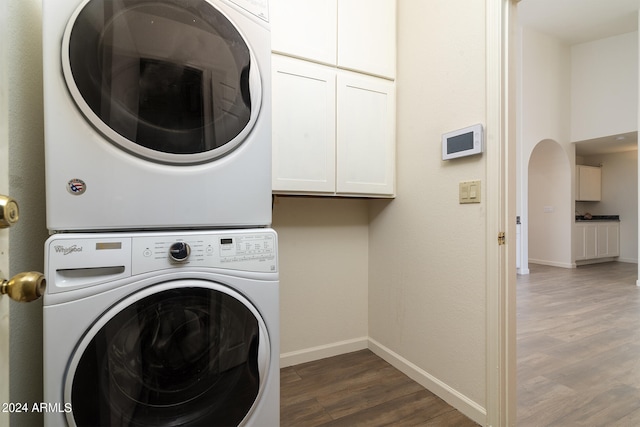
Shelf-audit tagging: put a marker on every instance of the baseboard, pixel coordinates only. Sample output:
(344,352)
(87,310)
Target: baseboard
(454,398)
(595,261)
(551,263)
(628,260)
(322,352)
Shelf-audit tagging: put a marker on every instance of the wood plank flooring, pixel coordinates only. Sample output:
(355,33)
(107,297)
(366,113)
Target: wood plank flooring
(359,389)
(579,346)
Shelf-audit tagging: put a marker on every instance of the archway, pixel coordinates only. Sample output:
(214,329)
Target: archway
(549,206)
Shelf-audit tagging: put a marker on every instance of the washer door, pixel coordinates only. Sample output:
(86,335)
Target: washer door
(185,353)
(172,81)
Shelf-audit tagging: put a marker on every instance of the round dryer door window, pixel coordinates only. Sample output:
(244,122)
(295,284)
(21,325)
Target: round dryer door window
(186,353)
(172,81)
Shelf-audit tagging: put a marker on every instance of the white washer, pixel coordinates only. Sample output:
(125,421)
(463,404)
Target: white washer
(151,329)
(157,114)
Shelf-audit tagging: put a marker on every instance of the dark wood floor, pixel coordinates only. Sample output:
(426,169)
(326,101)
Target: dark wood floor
(579,346)
(359,389)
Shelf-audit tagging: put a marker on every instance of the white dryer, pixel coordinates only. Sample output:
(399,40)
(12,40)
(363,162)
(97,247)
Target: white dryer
(157,114)
(152,329)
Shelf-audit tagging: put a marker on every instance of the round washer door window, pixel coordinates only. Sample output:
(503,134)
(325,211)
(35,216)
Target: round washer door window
(189,353)
(172,81)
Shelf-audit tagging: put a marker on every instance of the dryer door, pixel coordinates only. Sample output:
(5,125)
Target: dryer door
(185,353)
(172,81)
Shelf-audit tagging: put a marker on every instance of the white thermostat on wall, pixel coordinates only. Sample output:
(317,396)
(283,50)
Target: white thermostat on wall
(462,142)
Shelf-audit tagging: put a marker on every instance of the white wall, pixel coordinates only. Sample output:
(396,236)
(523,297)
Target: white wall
(604,87)
(546,83)
(545,74)
(619,197)
(324,252)
(26,185)
(427,252)
(550,206)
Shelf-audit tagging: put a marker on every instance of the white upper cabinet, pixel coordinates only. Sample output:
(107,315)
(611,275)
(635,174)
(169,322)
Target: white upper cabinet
(588,183)
(334,100)
(333,131)
(367,36)
(305,28)
(366,135)
(304,126)
(358,35)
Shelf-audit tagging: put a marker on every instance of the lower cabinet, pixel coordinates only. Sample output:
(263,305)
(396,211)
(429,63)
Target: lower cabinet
(596,240)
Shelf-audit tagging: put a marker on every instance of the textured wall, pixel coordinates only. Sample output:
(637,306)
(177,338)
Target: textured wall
(323,272)
(427,252)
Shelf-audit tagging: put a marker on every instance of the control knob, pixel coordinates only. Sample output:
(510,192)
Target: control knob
(179,251)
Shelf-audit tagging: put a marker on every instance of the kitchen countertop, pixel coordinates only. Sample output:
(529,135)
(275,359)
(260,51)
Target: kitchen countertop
(581,218)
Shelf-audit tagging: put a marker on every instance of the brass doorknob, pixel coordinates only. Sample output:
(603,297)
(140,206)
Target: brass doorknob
(9,212)
(24,287)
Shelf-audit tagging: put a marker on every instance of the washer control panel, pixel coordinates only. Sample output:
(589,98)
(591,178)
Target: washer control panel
(246,251)
(80,260)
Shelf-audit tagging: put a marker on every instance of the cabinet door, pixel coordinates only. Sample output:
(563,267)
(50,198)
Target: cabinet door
(590,241)
(305,29)
(613,239)
(304,126)
(585,241)
(608,240)
(589,182)
(579,248)
(603,241)
(366,135)
(367,36)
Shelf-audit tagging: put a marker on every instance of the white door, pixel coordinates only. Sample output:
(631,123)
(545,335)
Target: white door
(4,235)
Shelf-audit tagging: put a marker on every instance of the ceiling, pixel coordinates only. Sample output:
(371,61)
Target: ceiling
(581,21)
(608,144)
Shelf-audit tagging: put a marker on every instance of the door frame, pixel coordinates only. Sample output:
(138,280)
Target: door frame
(4,234)
(501,214)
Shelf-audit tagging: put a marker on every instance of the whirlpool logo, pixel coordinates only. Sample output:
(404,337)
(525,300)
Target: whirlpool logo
(66,250)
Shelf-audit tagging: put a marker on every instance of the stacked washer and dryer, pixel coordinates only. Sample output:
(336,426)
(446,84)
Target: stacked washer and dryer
(161,306)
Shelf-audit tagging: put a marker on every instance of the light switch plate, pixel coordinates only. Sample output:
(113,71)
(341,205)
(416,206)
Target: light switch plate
(470,192)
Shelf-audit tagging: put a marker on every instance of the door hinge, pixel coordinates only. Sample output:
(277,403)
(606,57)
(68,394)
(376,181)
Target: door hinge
(502,239)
